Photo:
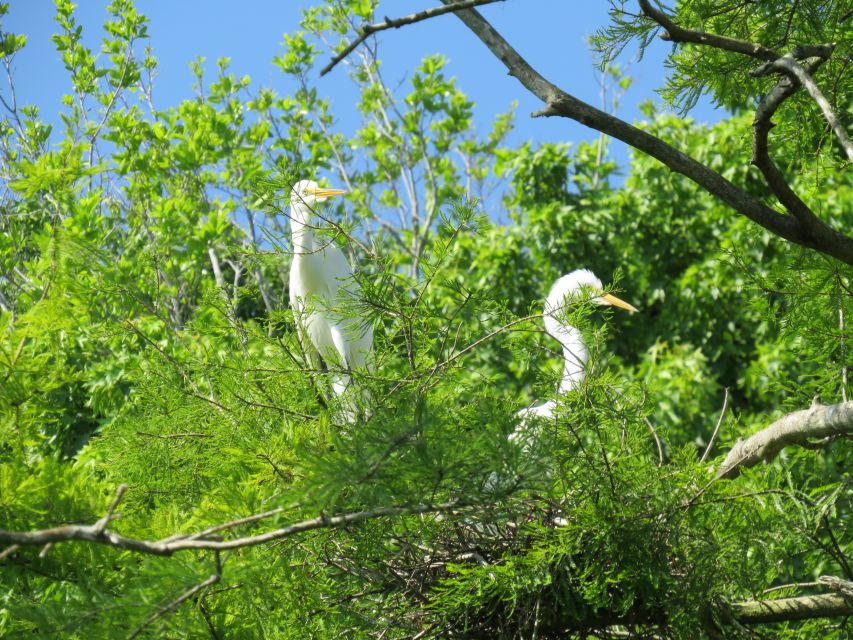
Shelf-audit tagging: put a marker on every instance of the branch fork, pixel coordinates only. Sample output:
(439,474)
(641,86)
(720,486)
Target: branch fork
(774,62)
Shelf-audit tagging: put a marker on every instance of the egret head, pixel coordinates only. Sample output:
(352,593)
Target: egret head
(306,195)
(571,286)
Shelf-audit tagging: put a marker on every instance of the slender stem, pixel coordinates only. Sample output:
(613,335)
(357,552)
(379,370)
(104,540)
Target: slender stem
(842,347)
(395,23)
(162,611)
(717,428)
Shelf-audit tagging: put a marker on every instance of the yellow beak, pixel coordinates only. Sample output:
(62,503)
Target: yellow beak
(616,302)
(327,193)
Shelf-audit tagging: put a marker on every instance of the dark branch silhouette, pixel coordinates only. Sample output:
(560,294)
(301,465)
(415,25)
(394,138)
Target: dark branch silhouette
(364,32)
(560,103)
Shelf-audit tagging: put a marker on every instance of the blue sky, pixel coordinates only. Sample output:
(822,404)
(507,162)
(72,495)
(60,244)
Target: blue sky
(551,34)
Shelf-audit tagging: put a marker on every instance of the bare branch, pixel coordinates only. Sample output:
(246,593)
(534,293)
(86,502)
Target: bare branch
(676,33)
(235,523)
(792,585)
(788,65)
(809,222)
(101,524)
(717,428)
(367,30)
(774,63)
(837,584)
(560,103)
(819,421)
(168,546)
(217,270)
(833,583)
(8,551)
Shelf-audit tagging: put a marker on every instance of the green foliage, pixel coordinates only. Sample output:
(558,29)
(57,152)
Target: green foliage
(727,78)
(146,339)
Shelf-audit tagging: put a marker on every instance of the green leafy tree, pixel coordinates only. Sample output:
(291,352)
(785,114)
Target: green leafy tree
(150,366)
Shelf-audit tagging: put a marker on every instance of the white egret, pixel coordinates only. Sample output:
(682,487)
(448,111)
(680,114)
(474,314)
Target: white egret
(321,281)
(566,290)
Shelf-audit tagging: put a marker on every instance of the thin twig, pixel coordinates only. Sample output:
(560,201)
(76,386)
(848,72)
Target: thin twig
(8,551)
(658,443)
(100,525)
(486,338)
(234,523)
(162,611)
(717,428)
(173,436)
(367,30)
(793,585)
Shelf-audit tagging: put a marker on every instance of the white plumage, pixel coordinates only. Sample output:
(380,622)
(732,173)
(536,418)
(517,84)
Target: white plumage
(564,292)
(321,286)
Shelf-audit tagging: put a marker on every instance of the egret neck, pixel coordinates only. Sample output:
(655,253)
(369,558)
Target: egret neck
(302,234)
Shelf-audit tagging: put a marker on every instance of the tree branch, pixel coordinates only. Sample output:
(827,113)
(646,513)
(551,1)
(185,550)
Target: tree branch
(217,269)
(168,546)
(789,66)
(837,584)
(748,612)
(675,33)
(367,30)
(774,62)
(787,609)
(560,103)
(819,421)
(762,125)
